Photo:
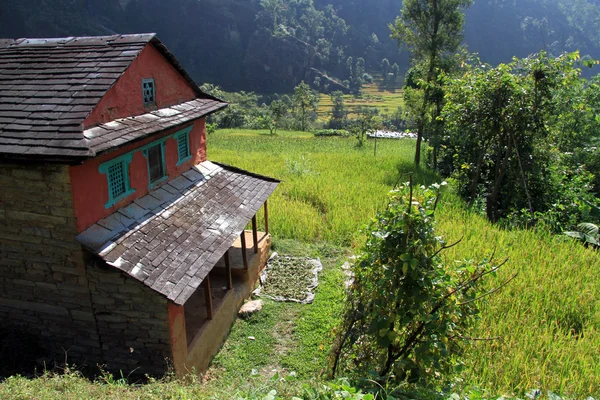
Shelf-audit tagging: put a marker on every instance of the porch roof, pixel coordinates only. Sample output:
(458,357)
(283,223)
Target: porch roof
(171,238)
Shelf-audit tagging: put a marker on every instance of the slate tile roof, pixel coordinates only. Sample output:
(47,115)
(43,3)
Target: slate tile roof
(171,238)
(116,133)
(49,86)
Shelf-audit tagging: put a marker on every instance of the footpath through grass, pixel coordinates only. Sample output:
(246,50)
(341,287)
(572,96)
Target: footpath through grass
(548,319)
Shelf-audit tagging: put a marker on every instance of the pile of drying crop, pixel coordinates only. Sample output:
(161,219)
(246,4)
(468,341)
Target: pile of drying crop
(289,278)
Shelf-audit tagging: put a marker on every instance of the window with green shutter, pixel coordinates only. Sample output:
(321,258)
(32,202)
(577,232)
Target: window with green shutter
(116,180)
(183,145)
(117,175)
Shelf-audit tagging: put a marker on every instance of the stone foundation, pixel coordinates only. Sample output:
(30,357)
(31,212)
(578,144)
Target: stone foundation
(43,284)
(132,321)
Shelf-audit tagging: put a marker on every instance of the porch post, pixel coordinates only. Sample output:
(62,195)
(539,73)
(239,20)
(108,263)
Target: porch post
(266,217)
(244,255)
(228,271)
(255,234)
(208,298)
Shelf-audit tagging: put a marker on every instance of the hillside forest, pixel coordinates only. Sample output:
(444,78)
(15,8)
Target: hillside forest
(270,46)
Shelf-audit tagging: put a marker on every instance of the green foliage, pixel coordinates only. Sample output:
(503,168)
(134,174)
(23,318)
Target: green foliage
(240,112)
(210,128)
(331,132)
(385,68)
(432,31)
(587,233)
(305,103)
(269,46)
(367,121)
(268,117)
(278,110)
(407,312)
(511,133)
(339,112)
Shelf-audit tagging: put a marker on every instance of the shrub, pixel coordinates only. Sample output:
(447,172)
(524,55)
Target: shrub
(407,314)
(331,132)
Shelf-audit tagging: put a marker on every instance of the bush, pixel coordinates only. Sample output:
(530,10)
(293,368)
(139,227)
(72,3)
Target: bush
(331,132)
(407,313)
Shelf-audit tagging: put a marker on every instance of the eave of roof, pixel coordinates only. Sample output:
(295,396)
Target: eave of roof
(123,131)
(49,86)
(171,238)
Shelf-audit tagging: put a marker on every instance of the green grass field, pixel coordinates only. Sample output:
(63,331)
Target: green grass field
(548,319)
(387,101)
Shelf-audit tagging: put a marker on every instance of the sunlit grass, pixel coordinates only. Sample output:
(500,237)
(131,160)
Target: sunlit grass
(330,188)
(387,101)
(548,318)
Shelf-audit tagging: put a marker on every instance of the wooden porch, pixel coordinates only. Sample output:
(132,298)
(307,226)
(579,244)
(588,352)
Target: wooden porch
(238,269)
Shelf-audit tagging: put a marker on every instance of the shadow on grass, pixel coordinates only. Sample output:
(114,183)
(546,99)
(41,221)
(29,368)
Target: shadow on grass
(404,170)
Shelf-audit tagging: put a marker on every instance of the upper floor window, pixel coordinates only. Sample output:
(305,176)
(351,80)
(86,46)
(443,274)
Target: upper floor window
(155,154)
(183,145)
(117,174)
(149,92)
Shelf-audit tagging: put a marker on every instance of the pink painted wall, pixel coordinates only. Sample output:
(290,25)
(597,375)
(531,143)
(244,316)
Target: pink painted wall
(125,99)
(90,187)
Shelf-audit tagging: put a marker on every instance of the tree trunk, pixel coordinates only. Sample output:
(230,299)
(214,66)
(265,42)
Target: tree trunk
(475,181)
(430,76)
(418,148)
(492,200)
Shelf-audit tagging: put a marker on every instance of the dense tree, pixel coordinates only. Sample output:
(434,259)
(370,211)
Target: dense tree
(395,71)
(305,105)
(385,68)
(278,109)
(339,112)
(512,133)
(367,121)
(431,29)
(270,46)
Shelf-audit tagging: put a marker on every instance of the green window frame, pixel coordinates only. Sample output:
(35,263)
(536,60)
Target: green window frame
(184,151)
(149,92)
(156,162)
(117,175)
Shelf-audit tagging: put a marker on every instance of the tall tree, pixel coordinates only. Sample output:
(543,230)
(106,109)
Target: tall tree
(339,112)
(305,104)
(432,30)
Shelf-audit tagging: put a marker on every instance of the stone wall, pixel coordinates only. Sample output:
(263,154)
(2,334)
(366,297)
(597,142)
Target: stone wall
(43,284)
(133,322)
(92,314)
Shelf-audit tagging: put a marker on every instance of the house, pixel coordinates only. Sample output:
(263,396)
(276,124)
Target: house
(120,243)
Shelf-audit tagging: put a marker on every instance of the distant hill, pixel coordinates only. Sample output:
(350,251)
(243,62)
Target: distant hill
(271,45)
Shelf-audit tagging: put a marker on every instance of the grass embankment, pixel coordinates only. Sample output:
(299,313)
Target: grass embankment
(373,95)
(548,318)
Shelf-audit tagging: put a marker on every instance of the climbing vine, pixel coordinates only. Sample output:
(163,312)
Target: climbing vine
(407,314)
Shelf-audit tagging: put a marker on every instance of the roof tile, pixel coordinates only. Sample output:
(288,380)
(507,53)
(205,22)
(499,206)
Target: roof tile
(70,76)
(182,244)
